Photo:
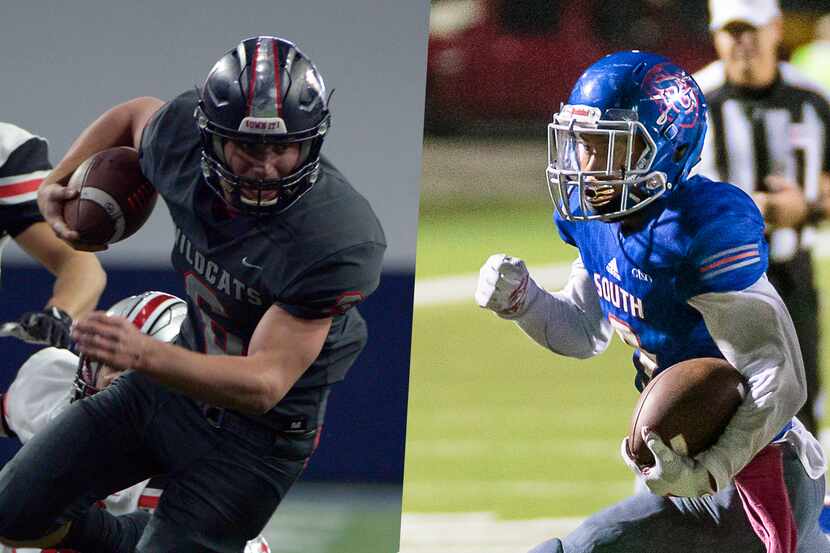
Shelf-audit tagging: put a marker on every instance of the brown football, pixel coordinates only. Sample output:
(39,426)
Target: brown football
(115,198)
(689,405)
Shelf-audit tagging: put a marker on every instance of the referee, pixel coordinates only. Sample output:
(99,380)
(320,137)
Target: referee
(769,133)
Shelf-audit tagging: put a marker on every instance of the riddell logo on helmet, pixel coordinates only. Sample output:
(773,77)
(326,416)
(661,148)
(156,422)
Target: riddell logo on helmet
(263,125)
(583,114)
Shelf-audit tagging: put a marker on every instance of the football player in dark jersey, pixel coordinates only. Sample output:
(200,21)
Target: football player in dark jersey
(275,248)
(79,278)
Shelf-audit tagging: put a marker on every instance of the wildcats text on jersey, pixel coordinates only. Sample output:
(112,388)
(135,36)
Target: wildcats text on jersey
(617,296)
(214,274)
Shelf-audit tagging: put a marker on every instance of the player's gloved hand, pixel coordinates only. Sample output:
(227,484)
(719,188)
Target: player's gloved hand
(505,286)
(49,327)
(672,474)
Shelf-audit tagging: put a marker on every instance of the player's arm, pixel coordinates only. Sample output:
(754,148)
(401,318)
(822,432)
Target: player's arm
(784,205)
(120,126)
(281,349)
(819,210)
(569,322)
(755,333)
(752,328)
(79,278)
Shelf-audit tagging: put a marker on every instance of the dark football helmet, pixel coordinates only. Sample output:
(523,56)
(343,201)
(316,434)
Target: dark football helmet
(156,314)
(641,120)
(264,91)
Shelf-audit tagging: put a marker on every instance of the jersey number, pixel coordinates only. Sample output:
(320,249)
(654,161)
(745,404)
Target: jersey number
(647,359)
(217,340)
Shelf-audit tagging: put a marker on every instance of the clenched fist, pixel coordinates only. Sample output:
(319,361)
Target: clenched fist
(505,286)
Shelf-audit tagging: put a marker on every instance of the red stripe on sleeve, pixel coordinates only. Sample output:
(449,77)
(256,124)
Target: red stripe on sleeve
(719,262)
(16,189)
(148,502)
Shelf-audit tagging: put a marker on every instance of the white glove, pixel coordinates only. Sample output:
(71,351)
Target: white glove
(505,286)
(672,474)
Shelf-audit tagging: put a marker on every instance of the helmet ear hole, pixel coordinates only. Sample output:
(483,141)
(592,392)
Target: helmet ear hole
(639,72)
(219,148)
(680,152)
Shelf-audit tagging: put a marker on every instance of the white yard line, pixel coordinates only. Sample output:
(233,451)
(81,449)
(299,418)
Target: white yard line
(477,533)
(460,288)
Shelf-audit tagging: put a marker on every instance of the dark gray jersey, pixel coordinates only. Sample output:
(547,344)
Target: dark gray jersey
(319,258)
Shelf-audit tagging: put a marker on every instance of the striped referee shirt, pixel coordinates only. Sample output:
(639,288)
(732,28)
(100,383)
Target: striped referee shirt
(24,162)
(753,133)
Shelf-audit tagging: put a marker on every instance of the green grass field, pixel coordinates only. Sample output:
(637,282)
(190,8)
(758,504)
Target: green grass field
(496,423)
(457,238)
(336,518)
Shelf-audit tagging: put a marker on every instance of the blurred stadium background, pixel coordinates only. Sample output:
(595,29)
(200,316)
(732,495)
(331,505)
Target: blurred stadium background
(508,444)
(66,63)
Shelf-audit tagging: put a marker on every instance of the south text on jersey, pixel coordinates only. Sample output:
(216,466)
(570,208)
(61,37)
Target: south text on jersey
(617,296)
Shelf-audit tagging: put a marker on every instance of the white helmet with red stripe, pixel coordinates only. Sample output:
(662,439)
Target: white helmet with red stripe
(156,314)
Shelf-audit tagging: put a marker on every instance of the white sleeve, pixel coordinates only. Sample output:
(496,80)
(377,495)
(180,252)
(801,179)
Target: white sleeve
(40,390)
(754,331)
(569,322)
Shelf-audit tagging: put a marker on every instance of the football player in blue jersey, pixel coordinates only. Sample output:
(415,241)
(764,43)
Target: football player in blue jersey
(275,248)
(675,266)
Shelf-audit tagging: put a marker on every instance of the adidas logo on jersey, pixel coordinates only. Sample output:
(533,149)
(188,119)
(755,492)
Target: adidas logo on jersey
(612,268)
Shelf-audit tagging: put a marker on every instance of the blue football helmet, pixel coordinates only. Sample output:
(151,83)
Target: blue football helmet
(631,131)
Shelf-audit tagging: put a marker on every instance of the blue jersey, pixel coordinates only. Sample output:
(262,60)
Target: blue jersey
(708,237)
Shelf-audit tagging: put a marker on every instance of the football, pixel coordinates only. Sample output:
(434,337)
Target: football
(115,198)
(689,405)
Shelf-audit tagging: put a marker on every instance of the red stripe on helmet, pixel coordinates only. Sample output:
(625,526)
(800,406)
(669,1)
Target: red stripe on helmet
(252,82)
(277,83)
(146,311)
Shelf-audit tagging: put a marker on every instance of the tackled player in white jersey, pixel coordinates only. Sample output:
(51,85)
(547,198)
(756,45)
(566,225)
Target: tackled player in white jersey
(52,378)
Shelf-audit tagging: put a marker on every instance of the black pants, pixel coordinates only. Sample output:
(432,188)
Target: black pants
(224,483)
(794,282)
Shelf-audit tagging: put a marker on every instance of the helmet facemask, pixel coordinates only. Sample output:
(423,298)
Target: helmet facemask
(228,185)
(600,166)
(86,378)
